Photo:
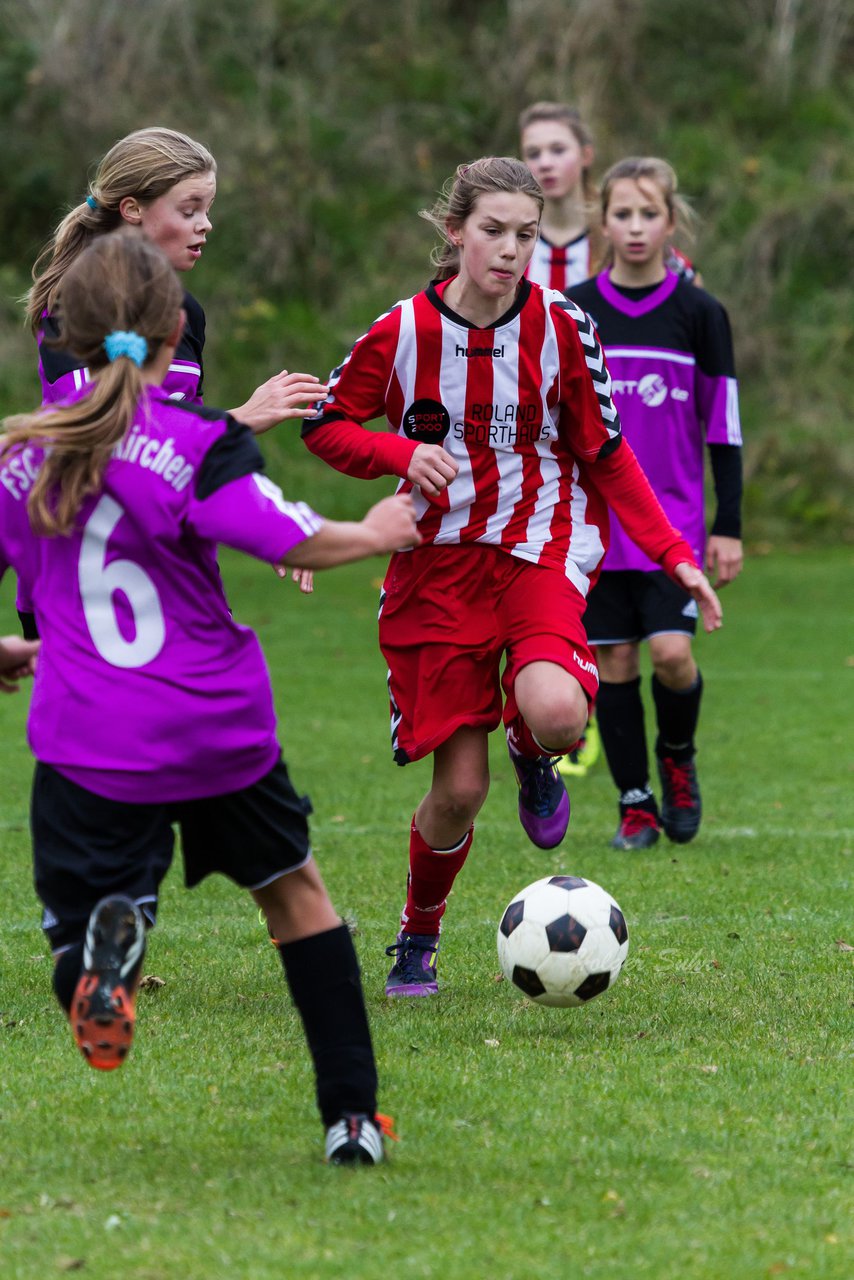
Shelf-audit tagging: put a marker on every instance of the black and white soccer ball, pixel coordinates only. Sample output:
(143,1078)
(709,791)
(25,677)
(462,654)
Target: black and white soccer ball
(563,940)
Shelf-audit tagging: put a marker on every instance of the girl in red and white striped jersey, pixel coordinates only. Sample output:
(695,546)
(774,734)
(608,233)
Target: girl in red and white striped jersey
(501,424)
(557,146)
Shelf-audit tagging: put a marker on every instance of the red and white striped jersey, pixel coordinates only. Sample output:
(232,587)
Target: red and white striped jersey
(524,408)
(559,266)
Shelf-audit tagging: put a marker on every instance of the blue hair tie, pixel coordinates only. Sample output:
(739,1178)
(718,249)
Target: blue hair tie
(92,202)
(126,343)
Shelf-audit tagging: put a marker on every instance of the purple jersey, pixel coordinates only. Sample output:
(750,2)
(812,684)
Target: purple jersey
(669,352)
(147,689)
(62,376)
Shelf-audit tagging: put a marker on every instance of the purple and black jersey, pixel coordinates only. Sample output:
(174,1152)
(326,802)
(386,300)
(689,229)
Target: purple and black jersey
(61,375)
(669,353)
(147,690)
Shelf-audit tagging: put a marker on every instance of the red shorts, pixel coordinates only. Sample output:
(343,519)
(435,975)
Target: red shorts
(447,618)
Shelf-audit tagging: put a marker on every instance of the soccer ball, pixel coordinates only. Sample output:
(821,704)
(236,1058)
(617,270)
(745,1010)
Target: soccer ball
(562,941)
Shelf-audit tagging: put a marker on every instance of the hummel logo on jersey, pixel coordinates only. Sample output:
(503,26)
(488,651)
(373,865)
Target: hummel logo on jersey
(468,352)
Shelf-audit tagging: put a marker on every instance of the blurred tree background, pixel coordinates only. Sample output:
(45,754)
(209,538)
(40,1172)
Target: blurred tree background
(335,121)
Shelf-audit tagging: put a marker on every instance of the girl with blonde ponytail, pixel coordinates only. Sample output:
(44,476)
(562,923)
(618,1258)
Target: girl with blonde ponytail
(161,183)
(151,705)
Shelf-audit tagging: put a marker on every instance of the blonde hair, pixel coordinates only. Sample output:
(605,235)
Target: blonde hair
(460,193)
(650,169)
(561,113)
(120,282)
(145,164)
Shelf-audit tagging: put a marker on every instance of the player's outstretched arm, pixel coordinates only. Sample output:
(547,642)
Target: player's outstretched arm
(285,395)
(17,660)
(695,582)
(388,526)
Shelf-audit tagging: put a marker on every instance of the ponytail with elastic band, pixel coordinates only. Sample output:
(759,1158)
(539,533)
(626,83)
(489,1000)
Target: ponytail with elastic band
(124,342)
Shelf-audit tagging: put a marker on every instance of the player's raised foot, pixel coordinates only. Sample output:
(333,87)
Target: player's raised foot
(357,1138)
(543,801)
(638,829)
(681,807)
(102,1012)
(585,754)
(414,970)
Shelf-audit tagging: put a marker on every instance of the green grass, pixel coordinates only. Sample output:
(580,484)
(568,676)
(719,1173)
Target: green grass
(694,1123)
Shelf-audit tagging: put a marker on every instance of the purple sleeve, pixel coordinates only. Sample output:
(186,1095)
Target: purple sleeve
(252,515)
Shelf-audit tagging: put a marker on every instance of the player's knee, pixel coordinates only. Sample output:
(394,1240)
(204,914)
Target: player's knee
(559,726)
(673,663)
(618,663)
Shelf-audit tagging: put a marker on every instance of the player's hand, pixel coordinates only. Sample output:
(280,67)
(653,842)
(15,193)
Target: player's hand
(17,660)
(392,522)
(724,559)
(695,582)
(432,469)
(285,395)
(303,577)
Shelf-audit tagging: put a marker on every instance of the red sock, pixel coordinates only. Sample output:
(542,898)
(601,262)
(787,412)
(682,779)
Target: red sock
(521,739)
(431,875)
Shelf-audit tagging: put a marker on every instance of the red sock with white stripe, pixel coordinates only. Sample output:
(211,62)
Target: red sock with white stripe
(432,873)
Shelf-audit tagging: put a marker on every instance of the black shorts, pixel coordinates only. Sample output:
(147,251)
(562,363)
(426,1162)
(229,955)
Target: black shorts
(627,605)
(85,846)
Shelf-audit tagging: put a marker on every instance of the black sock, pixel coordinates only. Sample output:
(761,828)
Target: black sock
(619,712)
(323,975)
(678,711)
(66,973)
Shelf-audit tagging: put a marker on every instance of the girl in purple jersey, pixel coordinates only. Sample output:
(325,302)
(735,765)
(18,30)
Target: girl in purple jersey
(669,352)
(151,705)
(160,183)
(556,143)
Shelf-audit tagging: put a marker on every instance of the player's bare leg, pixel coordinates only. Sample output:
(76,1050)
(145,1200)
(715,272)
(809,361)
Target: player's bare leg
(440,840)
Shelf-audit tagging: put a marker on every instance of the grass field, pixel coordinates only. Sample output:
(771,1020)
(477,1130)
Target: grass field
(695,1123)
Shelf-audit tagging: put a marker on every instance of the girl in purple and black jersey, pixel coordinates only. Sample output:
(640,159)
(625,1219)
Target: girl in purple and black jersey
(151,705)
(669,352)
(160,183)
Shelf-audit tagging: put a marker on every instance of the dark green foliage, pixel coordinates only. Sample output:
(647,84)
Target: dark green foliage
(335,121)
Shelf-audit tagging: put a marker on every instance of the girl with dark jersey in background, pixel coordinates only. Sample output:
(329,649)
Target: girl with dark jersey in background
(160,183)
(151,705)
(669,351)
(500,423)
(556,143)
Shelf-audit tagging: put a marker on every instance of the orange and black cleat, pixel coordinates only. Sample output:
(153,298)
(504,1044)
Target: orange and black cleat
(102,1011)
